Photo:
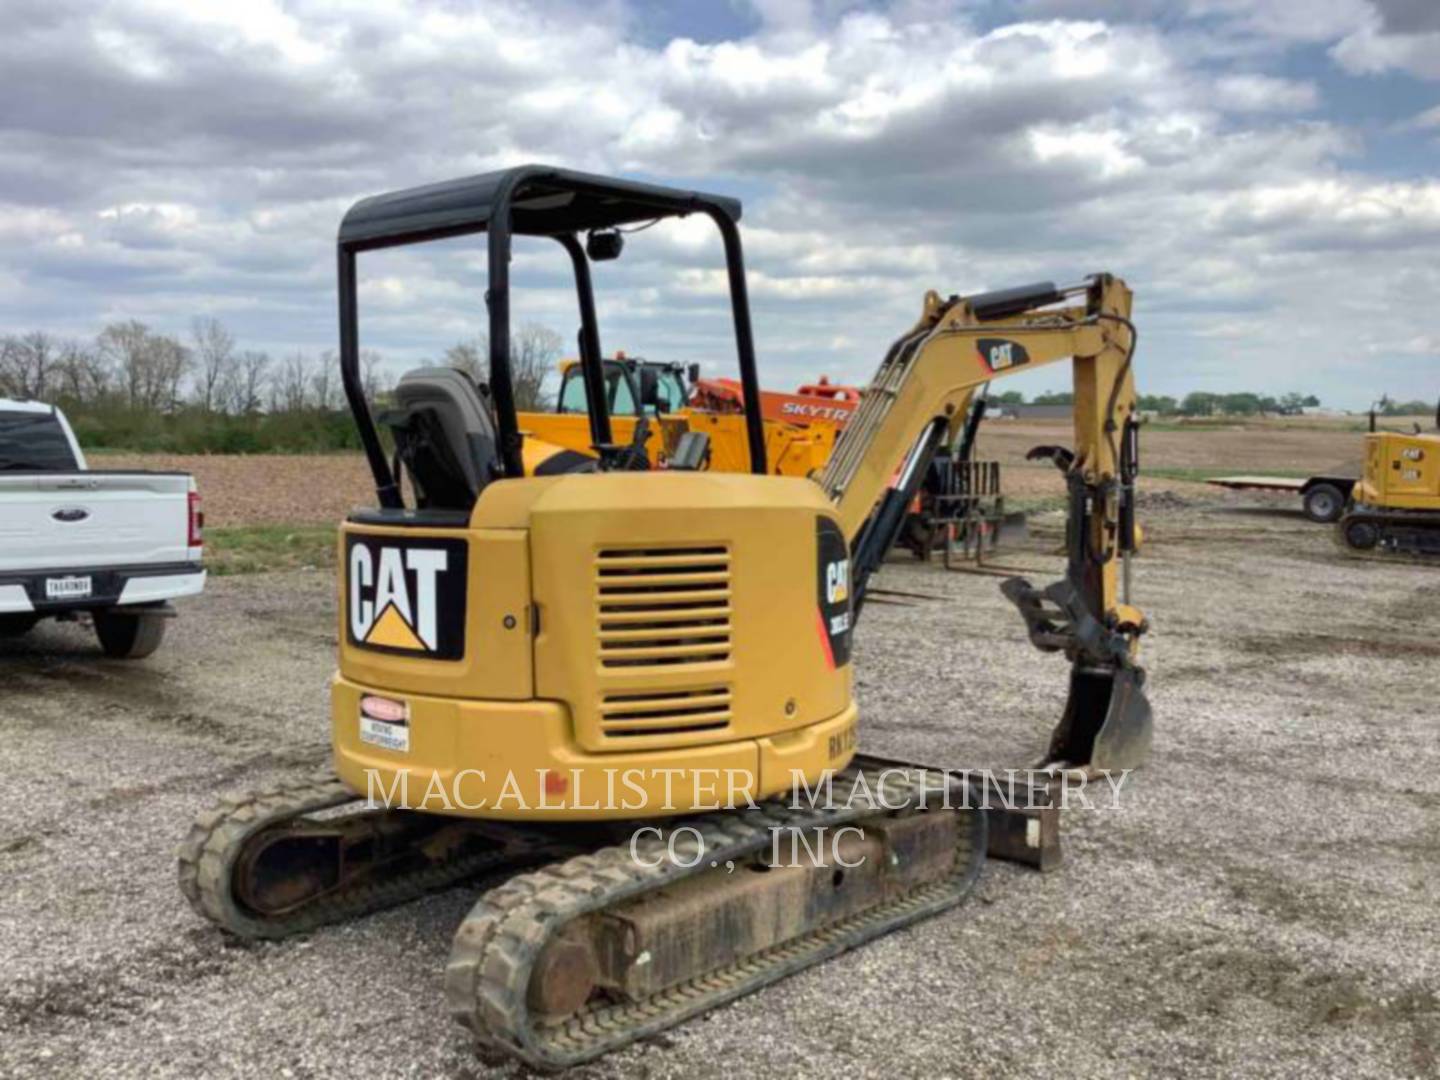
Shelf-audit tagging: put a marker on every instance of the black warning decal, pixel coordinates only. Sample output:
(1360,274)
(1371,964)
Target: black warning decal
(834,609)
(406,596)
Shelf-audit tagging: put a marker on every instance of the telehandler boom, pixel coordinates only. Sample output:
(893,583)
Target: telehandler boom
(636,686)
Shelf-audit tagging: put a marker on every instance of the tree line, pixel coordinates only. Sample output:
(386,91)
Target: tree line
(1197,403)
(133,387)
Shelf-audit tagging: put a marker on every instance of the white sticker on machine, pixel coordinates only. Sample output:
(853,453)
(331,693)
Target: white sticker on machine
(385,722)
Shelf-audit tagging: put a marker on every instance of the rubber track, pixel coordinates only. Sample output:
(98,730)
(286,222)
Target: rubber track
(209,853)
(496,947)
(1384,556)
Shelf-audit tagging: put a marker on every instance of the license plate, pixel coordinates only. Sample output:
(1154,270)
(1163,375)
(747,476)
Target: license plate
(385,723)
(67,588)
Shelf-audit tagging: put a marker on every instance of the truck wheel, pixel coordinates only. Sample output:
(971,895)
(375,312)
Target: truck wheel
(15,625)
(1324,503)
(129,637)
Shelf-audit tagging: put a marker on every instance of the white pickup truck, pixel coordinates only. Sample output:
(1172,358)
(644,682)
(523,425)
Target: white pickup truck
(116,545)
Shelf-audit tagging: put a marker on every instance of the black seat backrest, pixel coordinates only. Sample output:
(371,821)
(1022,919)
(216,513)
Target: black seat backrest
(444,436)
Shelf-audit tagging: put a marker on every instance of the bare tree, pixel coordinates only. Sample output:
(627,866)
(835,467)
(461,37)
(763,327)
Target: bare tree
(325,382)
(83,374)
(471,357)
(290,389)
(214,361)
(150,366)
(372,374)
(29,365)
(9,382)
(252,377)
(533,351)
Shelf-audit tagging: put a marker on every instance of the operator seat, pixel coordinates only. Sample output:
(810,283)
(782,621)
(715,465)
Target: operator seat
(445,436)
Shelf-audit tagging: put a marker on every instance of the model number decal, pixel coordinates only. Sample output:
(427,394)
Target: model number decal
(842,742)
(833,591)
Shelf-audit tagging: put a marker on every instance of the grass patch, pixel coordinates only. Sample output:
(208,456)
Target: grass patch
(258,549)
(1035,504)
(1228,424)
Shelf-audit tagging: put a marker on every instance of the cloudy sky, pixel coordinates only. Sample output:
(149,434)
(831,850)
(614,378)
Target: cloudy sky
(1263,172)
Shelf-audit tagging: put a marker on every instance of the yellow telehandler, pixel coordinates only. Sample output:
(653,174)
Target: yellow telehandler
(649,401)
(632,689)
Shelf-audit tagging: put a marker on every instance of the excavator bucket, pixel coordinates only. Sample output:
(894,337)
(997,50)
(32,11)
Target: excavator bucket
(1107,722)
(1107,726)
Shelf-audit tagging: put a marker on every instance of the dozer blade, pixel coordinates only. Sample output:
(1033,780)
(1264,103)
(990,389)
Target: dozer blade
(1107,726)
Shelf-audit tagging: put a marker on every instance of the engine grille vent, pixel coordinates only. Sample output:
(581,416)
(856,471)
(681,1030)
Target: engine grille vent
(663,607)
(666,712)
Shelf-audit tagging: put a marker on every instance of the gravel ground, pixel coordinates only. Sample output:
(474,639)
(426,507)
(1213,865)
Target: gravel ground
(1263,902)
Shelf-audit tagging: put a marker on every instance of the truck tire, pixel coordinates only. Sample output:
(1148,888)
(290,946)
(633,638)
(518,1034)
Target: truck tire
(1324,503)
(129,637)
(15,625)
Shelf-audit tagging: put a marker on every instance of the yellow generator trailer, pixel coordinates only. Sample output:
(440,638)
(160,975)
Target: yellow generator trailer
(1395,506)
(632,690)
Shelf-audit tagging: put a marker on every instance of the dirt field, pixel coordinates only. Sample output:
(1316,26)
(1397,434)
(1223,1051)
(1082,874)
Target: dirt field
(285,489)
(1263,903)
(264,489)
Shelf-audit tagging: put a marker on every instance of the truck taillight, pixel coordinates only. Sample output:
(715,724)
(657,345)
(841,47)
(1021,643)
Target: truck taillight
(197,521)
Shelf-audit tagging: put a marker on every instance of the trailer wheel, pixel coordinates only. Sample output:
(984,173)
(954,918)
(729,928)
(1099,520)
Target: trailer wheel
(129,637)
(1324,503)
(16,625)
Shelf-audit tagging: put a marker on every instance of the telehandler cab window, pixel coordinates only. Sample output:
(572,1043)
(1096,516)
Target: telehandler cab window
(670,394)
(619,394)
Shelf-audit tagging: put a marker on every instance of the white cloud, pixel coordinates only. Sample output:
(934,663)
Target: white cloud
(169,159)
(1426,120)
(1264,93)
(1371,51)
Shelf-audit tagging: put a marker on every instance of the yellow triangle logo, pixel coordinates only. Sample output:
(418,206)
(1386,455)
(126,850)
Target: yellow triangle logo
(393,632)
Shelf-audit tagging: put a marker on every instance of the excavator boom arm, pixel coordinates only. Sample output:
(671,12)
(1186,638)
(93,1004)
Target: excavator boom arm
(933,370)
(919,398)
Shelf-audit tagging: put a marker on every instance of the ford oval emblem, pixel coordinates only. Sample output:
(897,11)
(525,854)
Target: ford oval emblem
(71,513)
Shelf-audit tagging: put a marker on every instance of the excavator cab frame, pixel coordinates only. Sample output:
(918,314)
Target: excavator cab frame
(530,200)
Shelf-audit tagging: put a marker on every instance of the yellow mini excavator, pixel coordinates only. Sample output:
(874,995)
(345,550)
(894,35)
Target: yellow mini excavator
(631,691)
(1395,506)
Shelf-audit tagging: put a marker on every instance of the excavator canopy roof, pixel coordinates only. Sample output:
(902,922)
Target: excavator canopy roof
(544,201)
